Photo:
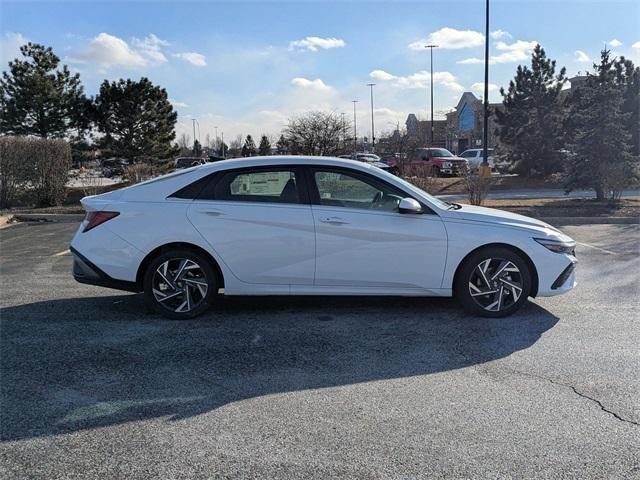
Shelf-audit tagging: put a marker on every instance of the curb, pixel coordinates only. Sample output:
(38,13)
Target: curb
(48,217)
(591,220)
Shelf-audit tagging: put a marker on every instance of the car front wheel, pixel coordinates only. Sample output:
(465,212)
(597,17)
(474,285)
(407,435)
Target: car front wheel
(180,284)
(493,282)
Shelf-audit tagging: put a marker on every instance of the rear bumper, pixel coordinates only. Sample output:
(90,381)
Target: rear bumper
(84,271)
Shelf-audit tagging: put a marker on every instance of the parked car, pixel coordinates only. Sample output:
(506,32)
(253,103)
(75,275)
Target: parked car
(475,157)
(311,226)
(439,161)
(186,162)
(114,167)
(370,158)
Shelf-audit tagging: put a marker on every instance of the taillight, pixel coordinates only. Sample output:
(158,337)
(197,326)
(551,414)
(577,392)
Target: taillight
(96,218)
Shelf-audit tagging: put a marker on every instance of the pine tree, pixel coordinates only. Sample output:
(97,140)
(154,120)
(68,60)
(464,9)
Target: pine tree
(249,147)
(38,98)
(601,146)
(282,146)
(136,119)
(628,77)
(530,124)
(265,146)
(197,149)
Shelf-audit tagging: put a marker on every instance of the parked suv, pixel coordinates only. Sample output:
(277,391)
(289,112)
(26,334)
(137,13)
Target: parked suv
(439,161)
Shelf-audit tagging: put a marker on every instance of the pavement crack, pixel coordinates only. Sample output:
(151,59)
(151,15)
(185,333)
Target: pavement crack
(579,393)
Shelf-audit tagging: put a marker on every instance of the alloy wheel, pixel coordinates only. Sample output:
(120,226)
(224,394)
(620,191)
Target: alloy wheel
(496,284)
(179,285)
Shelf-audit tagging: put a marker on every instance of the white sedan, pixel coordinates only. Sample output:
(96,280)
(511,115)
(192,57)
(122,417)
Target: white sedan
(311,226)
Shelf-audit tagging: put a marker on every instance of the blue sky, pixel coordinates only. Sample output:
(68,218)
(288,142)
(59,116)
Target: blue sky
(248,66)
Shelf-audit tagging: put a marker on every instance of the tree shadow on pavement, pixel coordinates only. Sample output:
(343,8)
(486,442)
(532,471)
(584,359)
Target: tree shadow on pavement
(83,363)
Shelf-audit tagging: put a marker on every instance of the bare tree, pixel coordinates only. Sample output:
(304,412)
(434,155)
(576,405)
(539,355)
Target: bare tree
(184,143)
(315,133)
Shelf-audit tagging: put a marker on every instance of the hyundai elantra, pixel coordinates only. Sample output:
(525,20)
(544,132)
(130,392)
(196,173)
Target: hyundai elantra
(311,226)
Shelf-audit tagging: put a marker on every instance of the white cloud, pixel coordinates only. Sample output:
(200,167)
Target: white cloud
(193,58)
(313,44)
(419,79)
(500,34)
(381,75)
(581,57)
(512,52)
(109,51)
(10,45)
(479,87)
(316,84)
(636,45)
(471,61)
(451,38)
(178,104)
(615,43)
(150,47)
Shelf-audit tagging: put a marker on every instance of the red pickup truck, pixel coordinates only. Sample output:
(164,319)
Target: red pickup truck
(438,161)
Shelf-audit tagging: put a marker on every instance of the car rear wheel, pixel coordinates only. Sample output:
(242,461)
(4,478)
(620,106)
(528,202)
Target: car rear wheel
(180,284)
(493,282)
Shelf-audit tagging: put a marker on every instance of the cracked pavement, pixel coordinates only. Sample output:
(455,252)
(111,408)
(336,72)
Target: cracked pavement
(94,387)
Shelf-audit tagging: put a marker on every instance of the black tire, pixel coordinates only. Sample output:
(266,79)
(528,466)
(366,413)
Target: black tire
(478,303)
(436,172)
(193,282)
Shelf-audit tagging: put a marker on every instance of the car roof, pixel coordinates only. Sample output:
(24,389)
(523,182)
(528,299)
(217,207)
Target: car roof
(281,160)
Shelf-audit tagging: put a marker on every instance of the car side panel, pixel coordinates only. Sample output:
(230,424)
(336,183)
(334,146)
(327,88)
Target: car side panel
(362,248)
(261,243)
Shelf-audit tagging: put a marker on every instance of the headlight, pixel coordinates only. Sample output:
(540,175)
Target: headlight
(446,164)
(557,246)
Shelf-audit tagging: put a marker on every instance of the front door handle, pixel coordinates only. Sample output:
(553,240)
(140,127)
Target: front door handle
(333,221)
(211,213)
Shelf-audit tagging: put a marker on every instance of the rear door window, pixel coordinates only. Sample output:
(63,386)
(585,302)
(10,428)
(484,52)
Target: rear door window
(278,185)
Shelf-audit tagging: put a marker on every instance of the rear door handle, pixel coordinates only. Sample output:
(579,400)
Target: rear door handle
(333,221)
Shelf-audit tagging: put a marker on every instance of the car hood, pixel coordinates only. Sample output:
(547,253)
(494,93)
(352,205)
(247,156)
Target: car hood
(498,217)
(450,159)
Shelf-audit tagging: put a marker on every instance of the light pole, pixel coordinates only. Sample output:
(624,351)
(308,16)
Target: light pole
(431,47)
(485,170)
(355,128)
(194,121)
(373,132)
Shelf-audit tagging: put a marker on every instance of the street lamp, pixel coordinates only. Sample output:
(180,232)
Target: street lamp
(373,132)
(485,170)
(355,128)
(431,47)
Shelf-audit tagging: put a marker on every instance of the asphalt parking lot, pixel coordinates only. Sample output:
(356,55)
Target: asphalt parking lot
(92,386)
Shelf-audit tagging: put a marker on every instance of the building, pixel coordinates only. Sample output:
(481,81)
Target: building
(464,125)
(462,128)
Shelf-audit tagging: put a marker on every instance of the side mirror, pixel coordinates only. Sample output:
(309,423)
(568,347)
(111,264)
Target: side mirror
(409,205)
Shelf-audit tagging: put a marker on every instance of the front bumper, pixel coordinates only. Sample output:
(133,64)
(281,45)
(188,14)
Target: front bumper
(560,282)
(455,169)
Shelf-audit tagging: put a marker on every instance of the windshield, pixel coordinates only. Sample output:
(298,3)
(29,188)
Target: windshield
(440,152)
